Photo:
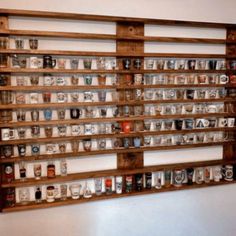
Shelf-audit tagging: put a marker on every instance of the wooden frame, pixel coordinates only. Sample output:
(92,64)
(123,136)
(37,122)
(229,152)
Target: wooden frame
(129,40)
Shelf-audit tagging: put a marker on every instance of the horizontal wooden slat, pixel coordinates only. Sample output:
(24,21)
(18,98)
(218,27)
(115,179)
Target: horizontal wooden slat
(97,87)
(58,34)
(183,40)
(76,16)
(113,172)
(113,119)
(111,135)
(81,71)
(110,36)
(111,151)
(109,54)
(69,201)
(118,103)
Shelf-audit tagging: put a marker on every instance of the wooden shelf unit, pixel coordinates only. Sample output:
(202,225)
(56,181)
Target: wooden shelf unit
(69,201)
(129,39)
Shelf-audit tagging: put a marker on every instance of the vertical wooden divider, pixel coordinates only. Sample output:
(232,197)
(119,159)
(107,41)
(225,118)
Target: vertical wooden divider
(3,25)
(229,149)
(135,159)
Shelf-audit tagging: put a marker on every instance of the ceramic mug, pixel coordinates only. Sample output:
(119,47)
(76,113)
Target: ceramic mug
(51,193)
(48,62)
(224,79)
(178,177)
(75,113)
(228,172)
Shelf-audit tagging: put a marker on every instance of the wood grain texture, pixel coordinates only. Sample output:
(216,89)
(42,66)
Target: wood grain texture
(118,87)
(129,40)
(88,154)
(120,103)
(70,201)
(112,135)
(81,71)
(136,38)
(129,161)
(122,170)
(112,119)
(110,54)
(76,16)
(4,24)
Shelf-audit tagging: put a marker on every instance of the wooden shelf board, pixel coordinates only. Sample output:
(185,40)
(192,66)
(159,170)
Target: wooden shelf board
(183,40)
(108,103)
(111,151)
(70,201)
(113,119)
(97,87)
(112,135)
(82,71)
(113,172)
(89,17)
(97,36)
(109,54)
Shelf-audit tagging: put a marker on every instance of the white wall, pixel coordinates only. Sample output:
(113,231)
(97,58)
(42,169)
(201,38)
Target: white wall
(196,212)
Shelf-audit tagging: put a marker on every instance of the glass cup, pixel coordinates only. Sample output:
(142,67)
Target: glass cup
(103,112)
(33,43)
(37,171)
(61,114)
(74,64)
(149,64)
(47,97)
(88,79)
(34,115)
(74,145)
(6,97)
(19,43)
(24,195)
(21,132)
(21,149)
(87,63)
(75,191)
(63,190)
(98,186)
(199,175)
(3,42)
(20,114)
(101,63)
(74,80)
(102,96)
(101,79)
(87,144)
(34,80)
(62,147)
(61,63)
(108,185)
(119,184)
(101,144)
(48,130)
(158,179)
(35,149)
